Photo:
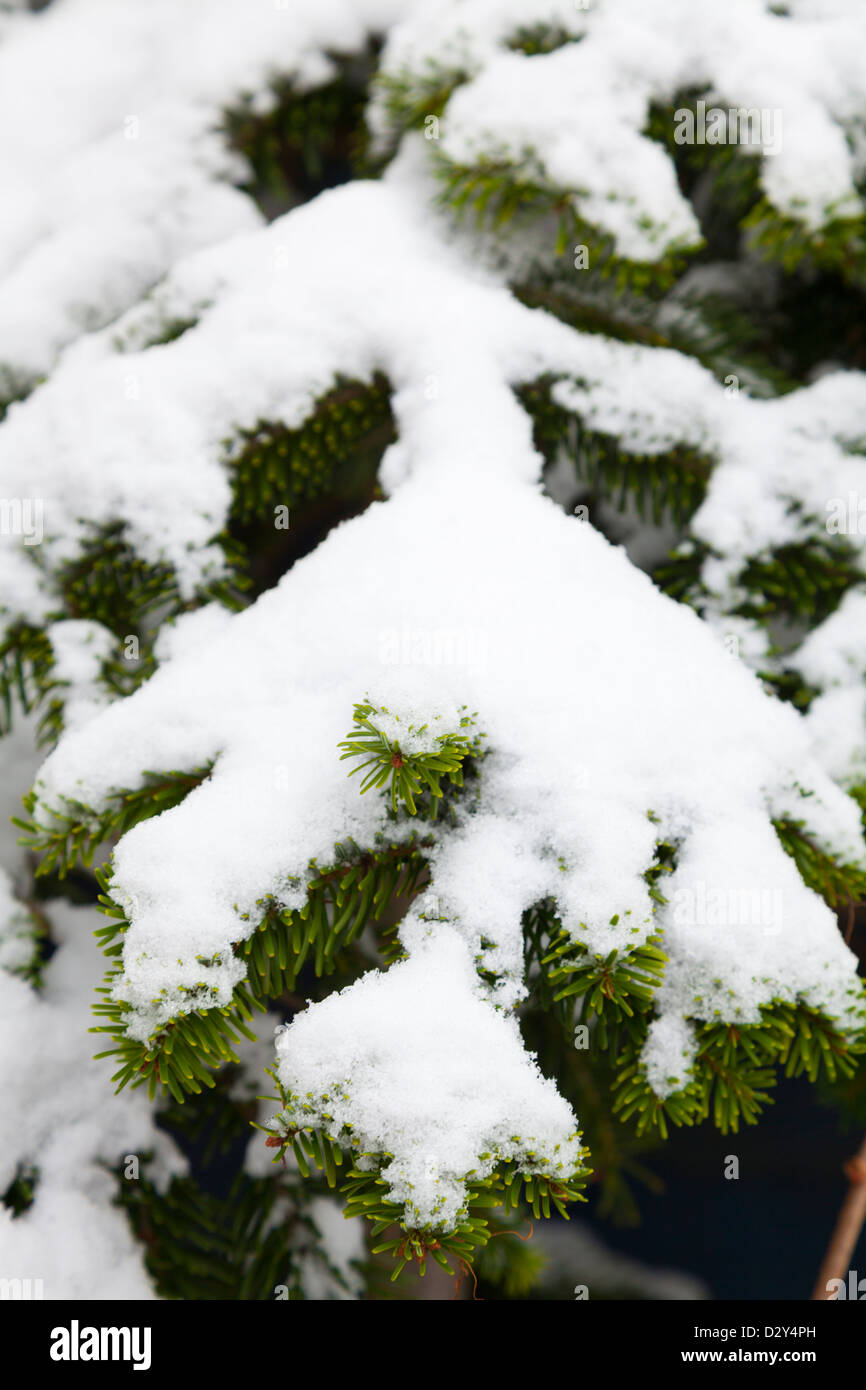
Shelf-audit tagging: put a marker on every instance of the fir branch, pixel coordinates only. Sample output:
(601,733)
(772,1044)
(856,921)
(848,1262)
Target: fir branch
(537,39)
(341,900)
(406,774)
(409,99)
(75,831)
(806,580)
(307,139)
(736,1064)
(499,193)
(26,661)
(510,1186)
(838,246)
(840,885)
(668,484)
(331,451)
(21,1192)
(244,1246)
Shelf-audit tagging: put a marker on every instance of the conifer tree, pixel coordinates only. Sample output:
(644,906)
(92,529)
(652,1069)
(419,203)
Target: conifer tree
(432,577)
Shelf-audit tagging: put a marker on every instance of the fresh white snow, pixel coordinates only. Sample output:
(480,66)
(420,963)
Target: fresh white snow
(600,700)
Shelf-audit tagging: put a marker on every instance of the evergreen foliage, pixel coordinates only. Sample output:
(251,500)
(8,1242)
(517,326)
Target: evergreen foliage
(343,916)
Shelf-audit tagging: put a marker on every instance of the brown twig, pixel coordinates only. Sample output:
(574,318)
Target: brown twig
(464,1270)
(848,1227)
